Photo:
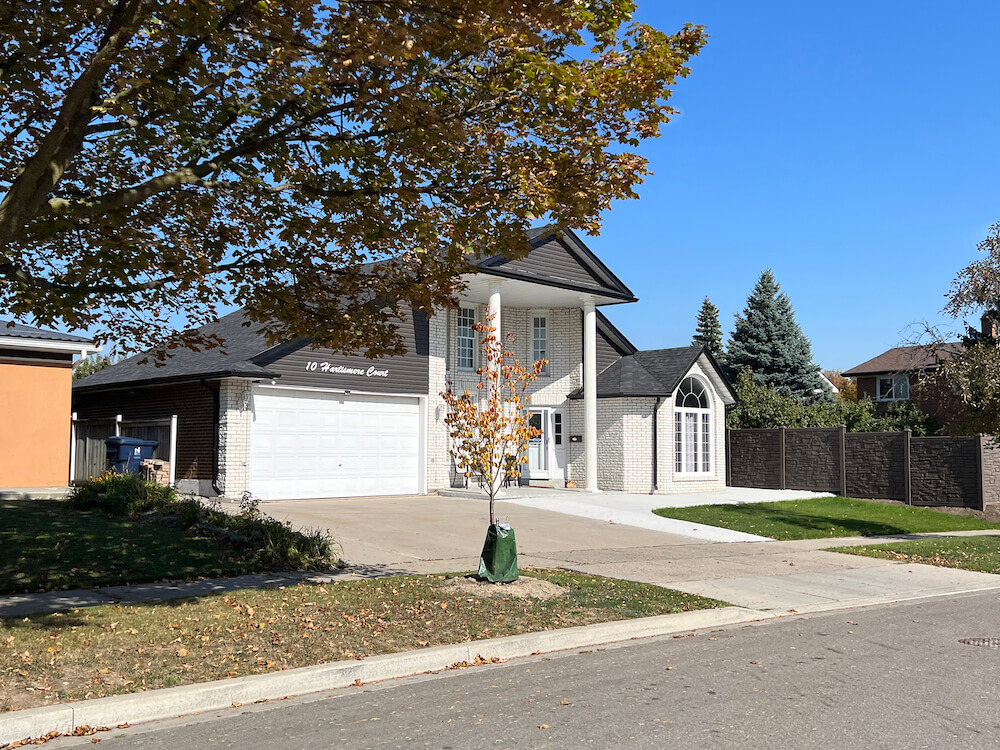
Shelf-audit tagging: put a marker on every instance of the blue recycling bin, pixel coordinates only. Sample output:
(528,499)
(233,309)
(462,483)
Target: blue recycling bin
(126,453)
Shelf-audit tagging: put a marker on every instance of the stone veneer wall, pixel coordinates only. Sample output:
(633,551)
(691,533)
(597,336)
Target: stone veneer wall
(876,464)
(945,471)
(948,471)
(812,459)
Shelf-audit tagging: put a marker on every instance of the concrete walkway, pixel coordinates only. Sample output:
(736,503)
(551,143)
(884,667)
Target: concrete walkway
(637,510)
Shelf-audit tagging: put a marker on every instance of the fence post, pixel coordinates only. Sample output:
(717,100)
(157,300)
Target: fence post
(118,425)
(173,449)
(979,472)
(72,447)
(842,430)
(781,452)
(907,486)
(729,458)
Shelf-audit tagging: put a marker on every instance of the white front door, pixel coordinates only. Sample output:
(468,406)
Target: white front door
(307,444)
(538,447)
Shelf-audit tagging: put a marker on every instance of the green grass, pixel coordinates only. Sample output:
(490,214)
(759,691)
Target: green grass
(108,650)
(48,546)
(817,518)
(970,552)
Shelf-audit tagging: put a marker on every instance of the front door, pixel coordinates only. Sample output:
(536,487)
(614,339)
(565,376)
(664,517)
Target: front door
(538,447)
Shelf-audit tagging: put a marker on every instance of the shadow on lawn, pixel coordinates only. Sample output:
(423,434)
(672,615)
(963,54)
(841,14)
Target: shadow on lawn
(762,517)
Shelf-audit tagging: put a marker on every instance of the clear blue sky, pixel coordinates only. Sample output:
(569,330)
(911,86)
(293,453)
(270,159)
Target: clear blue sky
(853,147)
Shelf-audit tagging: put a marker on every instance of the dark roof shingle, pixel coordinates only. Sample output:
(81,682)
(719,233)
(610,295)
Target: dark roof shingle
(654,372)
(233,358)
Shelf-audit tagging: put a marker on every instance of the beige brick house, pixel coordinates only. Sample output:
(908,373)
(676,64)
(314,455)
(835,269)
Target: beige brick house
(294,421)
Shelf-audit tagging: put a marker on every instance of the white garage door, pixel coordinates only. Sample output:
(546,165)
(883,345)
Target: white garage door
(307,445)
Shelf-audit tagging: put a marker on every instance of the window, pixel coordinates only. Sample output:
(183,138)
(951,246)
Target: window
(466,339)
(539,340)
(692,428)
(894,388)
(557,428)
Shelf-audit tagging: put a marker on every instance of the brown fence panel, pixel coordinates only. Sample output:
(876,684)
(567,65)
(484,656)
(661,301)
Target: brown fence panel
(755,458)
(945,471)
(812,459)
(876,465)
(91,453)
(158,431)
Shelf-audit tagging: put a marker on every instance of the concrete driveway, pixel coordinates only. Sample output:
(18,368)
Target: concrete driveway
(435,534)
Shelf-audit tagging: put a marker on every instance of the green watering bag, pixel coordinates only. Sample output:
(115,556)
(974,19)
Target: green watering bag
(498,563)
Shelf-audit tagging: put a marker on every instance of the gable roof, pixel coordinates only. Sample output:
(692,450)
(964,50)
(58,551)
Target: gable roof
(655,372)
(18,331)
(906,359)
(615,338)
(232,359)
(558,257)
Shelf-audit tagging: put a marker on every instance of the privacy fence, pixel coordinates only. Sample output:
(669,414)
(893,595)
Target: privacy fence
(88,452)
(951,471)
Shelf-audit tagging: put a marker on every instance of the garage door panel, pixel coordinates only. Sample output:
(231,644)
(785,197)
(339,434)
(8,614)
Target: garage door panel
(307,444)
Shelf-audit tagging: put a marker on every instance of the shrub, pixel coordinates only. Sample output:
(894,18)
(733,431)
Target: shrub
(266,543)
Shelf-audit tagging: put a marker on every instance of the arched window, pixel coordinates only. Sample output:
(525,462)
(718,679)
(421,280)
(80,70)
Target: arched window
(692,428)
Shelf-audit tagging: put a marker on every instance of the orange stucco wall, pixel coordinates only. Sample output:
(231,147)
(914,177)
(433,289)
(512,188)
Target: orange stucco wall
(34,425)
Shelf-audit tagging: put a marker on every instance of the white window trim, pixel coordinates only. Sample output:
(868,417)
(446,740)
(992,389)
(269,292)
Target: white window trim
(543,314)
(894,377)
(475,342)
(712,427)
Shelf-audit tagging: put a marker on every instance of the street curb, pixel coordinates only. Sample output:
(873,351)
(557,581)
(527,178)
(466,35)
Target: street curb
(171,702)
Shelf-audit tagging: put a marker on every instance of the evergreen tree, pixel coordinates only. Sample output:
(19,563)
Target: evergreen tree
(708,332)
(768,342)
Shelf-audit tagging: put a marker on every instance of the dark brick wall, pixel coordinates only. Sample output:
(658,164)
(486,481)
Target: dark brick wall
(876,465)
(945,471)
(192,403)
(754,458)
(812,459)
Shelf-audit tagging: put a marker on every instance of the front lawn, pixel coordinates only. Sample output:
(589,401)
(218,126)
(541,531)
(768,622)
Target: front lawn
(817,518)
(116,649)
(48,546)
(969,552)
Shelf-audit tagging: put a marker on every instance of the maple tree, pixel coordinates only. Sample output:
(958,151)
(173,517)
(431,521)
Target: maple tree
(310,160)
(490,429)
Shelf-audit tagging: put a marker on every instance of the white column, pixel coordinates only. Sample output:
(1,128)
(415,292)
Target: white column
(173,450)
(493,310)
(590,394)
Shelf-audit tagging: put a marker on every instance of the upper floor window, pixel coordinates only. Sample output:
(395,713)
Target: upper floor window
(539,340)
(692,428)
(466,354)
(894,388)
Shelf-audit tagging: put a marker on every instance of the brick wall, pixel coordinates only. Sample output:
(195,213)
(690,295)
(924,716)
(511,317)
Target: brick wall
(193,404)
(235,423)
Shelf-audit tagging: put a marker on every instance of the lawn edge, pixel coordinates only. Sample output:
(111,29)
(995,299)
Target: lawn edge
(210,696)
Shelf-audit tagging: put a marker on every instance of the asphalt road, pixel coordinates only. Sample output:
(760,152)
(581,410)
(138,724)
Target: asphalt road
(892,676)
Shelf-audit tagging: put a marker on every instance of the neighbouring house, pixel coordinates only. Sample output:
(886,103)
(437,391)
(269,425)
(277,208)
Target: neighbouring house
(895,375)
(36,374)
(293,421)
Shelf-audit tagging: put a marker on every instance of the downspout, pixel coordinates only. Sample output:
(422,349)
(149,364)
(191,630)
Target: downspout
(215,434)
(656,451)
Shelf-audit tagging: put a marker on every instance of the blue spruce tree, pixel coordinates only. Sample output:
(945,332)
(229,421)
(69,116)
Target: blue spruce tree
(768,342)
